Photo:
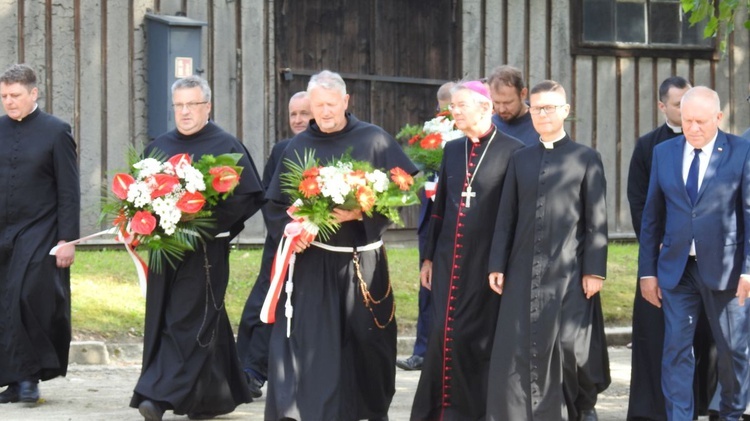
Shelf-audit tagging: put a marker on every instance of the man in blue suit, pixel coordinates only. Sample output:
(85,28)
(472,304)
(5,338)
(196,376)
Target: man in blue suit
(694,251)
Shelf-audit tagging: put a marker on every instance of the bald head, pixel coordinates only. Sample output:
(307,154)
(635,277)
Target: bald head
(444,94)
(299,112)
(701,115)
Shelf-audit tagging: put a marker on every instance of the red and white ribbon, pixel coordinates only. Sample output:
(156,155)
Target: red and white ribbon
(430,189)
(141,267)
(283,262)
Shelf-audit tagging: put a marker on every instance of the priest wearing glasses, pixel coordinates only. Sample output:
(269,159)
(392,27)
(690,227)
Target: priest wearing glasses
(549,260)
(454,375)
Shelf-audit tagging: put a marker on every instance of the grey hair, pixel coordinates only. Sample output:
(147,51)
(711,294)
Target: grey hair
(299,95)
(327,80)
(193,82)
(702,93)
(19,73)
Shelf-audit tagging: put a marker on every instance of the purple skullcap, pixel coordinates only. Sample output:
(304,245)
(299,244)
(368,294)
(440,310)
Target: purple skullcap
(478,87)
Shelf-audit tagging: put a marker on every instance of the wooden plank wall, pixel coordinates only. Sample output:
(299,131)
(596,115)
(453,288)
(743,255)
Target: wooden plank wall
(91,60)
(613,99)
(90,56)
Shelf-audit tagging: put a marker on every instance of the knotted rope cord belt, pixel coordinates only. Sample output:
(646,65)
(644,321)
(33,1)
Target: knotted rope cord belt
(367,298)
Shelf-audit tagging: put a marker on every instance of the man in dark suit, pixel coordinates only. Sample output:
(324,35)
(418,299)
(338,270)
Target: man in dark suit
(693,251)
(646,401)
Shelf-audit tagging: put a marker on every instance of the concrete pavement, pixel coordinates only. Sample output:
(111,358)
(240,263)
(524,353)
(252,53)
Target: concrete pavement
(102,392)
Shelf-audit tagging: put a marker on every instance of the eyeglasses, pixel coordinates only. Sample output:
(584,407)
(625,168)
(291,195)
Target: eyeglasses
(191,106)
(548,109)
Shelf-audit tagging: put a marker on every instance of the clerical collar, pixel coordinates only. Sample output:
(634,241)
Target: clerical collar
(675,129)
(36,106)
(485,136)
(551,144)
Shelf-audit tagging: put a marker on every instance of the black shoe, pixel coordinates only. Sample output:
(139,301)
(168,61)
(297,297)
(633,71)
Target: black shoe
(255,384)
(28,391)
(10,395)
(588,415)
(412,363)
(151,410)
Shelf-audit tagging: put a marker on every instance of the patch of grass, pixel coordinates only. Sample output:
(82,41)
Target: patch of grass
(107,301)
(619,288)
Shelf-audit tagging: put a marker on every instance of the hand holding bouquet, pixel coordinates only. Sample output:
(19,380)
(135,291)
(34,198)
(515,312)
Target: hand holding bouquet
(316,190)
(165,205)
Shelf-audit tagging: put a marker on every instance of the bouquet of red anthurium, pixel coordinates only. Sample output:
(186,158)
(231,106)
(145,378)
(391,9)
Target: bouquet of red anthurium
(165,205)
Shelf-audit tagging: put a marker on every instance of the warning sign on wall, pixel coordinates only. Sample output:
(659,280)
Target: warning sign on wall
(183,67)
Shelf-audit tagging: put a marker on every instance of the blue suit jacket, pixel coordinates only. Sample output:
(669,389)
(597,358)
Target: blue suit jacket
(719,221)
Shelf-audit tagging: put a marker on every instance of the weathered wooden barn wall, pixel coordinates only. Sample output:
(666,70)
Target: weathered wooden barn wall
(613,98)
(91,60)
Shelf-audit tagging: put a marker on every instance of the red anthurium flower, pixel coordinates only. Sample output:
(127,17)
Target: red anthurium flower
(431,141)
(311,172)
(163,184)
(120,185)
(402,179)
(143,223)
(180,159)
(365,198)
(191,202)
(416,138)
(225,178)
(309,187)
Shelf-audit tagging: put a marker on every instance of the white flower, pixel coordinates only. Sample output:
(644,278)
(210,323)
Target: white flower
(139,194)
(146,168)
(444,126)
(193,179)
(166,209)
(332,182)
(379,180)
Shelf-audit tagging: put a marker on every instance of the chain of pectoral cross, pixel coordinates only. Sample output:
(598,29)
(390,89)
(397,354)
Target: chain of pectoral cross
(468,193)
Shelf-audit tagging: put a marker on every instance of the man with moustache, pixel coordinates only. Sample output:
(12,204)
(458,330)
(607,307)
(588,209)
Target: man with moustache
(509,93)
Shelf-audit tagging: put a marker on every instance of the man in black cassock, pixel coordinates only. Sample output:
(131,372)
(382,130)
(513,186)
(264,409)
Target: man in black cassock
(646,401)
(190,362)
(253,335)
(339,361)
(37,154)
(509,91)
(453,384)
(549,260)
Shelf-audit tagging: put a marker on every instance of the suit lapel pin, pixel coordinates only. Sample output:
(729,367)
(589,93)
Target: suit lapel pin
(719,149)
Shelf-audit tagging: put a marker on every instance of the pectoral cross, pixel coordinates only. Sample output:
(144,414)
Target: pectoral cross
(467,195)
